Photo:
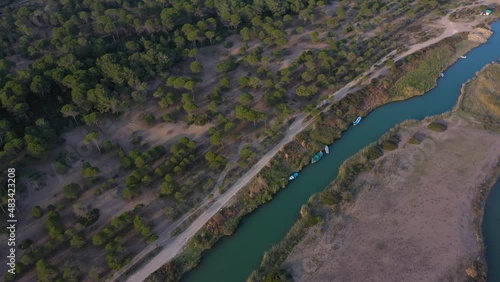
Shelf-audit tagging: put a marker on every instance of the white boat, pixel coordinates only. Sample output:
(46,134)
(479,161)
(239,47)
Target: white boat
(463,57)
(441,75)
(357,121)
(327,150)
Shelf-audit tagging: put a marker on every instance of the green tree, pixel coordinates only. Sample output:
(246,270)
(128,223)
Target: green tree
(78,241)
(188,103)
(90,172)
(243,112)
(93,137)
(245,98)
(46,271)
(196,67)
(34,146)
(98,240)
(69,110)
(71,191)
(71,274)
(39,85)
(91,119)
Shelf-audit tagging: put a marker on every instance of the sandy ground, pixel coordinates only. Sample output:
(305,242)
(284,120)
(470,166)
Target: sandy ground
(413,218)
(171,247)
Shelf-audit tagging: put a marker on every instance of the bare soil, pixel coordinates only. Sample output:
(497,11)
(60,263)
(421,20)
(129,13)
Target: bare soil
(413,218)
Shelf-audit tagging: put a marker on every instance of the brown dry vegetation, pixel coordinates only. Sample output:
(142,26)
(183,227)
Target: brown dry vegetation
(413,217)
(483,95)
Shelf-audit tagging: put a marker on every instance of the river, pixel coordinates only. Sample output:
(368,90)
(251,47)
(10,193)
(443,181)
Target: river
(233,258)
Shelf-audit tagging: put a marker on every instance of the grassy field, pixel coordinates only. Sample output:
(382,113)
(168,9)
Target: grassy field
(481,96)
(422,77)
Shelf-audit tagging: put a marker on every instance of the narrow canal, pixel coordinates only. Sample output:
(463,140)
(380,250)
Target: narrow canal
(233,258)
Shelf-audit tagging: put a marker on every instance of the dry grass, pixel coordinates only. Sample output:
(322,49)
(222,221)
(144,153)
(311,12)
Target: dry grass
(482,95)
(412,194)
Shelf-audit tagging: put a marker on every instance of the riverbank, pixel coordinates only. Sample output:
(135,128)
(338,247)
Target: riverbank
(328,127)
(397,193)
(412,215)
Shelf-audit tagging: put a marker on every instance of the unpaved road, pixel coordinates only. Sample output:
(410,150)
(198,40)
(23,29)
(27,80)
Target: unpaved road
(173,246)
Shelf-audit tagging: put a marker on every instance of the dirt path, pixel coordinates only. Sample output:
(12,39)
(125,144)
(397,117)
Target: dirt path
(176,244)
(451,28)
(172,246)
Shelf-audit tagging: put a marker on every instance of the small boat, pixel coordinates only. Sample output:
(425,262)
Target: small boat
(441,75)
(293,176)
(317,157)
(327,150)
(357,121)
(463,57)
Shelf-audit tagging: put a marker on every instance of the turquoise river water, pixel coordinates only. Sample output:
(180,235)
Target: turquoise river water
(233,258)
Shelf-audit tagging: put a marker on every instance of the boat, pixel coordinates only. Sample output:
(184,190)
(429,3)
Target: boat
(441,75)
(357,121)
(293,176)
(463,57)
(317,157)
(327,150)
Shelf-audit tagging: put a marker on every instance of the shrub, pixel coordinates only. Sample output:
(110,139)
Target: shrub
(330,198)
(89,218)
(60,167)
(437,127)
(167,118)
(389,146)
(374,152)
(414,140)
(37,212)
(150,119)
(25,244)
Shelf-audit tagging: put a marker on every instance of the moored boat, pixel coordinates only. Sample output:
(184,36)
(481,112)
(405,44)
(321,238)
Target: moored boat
(327,150)
(293,176)
(463,57)
(357,121)
(441,75)
(317,157)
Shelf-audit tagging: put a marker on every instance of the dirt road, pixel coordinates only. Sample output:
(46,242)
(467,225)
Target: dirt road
(176,244)
(172,246)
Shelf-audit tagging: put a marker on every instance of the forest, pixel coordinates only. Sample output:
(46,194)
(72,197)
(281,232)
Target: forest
(64,64)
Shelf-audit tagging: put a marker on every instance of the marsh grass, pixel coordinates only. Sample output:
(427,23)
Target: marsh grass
(437,126)
(481,96)
(414,140)
(427,68)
